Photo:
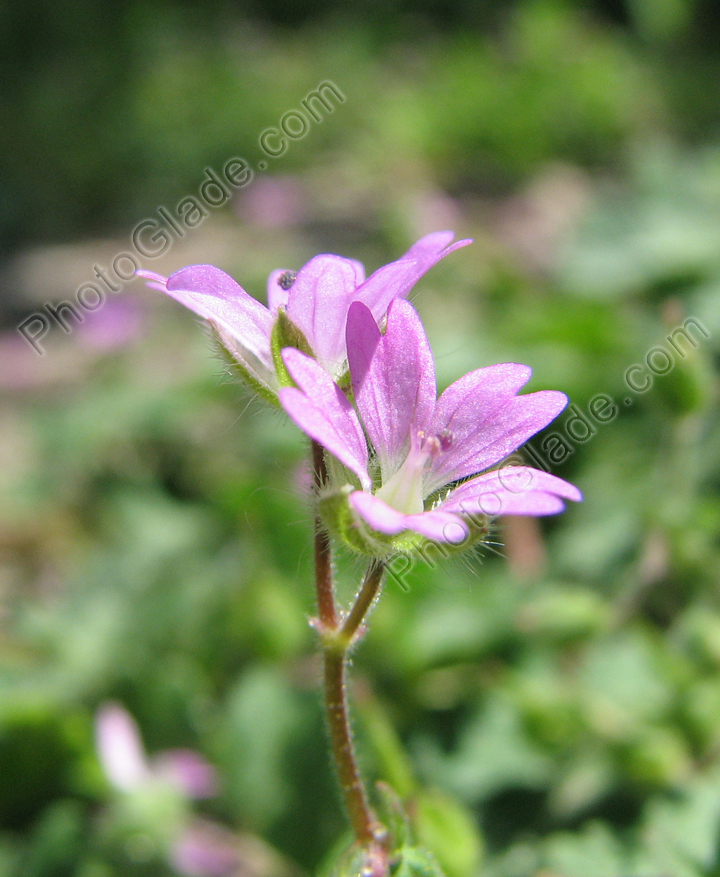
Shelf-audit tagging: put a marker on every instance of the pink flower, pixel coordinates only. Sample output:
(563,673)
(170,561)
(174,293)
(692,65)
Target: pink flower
(120,749)
(206,850)
(273,202)
(423,448)
(127,767)
(194,847)
(118,324)
(316,301)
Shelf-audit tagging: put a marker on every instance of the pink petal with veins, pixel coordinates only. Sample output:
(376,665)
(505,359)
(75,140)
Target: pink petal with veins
(396,279)
(214,295)
(393,378)
(511,490)
(318,303)
(321,410)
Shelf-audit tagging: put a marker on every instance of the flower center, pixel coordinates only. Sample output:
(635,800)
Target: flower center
(404,490)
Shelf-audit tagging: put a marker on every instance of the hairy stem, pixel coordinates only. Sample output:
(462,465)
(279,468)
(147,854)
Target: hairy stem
(337,637)
(364,600)
(364,822)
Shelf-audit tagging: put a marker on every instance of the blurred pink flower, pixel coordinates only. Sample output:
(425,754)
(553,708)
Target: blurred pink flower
(205,850)
(120,748)
(431,208)
(127,767)
(199,848)
(188,771)
(114,325)
(272,202)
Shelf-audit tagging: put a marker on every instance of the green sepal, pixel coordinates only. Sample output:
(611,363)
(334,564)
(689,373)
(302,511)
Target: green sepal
(352,864)
(414,862)
(393,816)
(286,334)
(479,527)
(345,384)
(240,370)
(407,861)
(342,522)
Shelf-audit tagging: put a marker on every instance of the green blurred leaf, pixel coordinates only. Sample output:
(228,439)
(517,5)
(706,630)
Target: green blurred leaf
(493,752)
(415,862)
(446,828)
(55,842)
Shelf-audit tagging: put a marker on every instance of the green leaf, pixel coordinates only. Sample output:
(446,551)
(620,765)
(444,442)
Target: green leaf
(593,852)
(264,716)
(687,827)
(415,862)
(445,826)
(55,842)
(493,753)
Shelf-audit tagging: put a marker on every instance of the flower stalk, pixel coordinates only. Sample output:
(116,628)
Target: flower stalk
(337,636)
(348,360)
(364,822)
(364,600)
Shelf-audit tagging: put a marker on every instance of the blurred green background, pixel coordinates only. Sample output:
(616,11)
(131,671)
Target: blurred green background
(549,706)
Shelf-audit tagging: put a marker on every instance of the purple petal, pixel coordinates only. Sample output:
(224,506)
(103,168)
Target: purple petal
(154,280)
(321,410)
(393,378)
(205,849)
(277,296)
(438,526)
(214,295)
(485,420)
(318,303)
(512,490)
(378,514)
(188,771)
(396,279)
(120,748)
(117,324)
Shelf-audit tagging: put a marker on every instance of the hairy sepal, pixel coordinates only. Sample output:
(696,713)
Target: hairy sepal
(286,334)
(240,369)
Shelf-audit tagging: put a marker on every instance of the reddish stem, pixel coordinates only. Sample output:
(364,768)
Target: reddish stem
(337,638)
(364,822)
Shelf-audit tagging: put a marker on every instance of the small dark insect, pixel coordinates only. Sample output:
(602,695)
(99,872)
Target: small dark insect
(286,279)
